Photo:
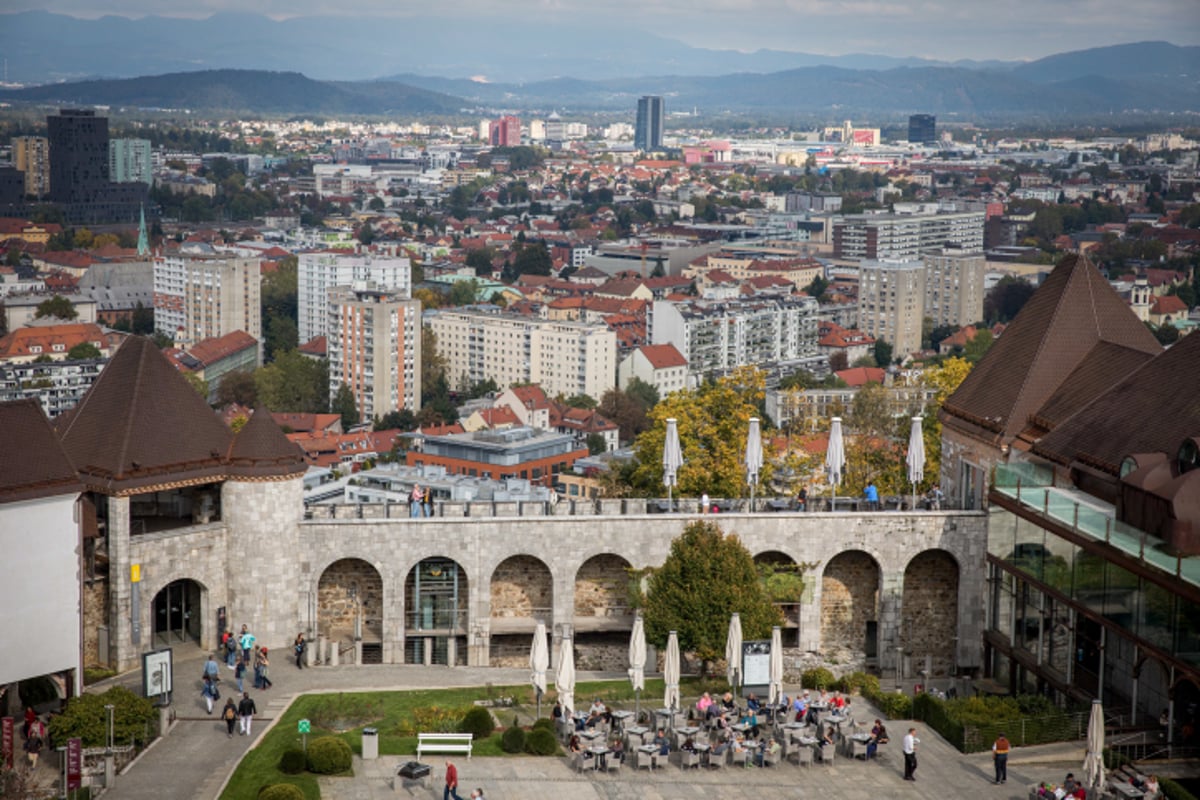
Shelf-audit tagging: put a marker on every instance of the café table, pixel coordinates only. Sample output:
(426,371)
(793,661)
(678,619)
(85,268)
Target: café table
(1127,790)
(638,732)
(652,751)
(620,718)
(591,734)
(598,753)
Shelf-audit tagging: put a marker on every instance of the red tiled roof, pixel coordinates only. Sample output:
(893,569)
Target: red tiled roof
(210,351)
(1168,304)
(861,376)
(21,342)
(314,347)
(663,356)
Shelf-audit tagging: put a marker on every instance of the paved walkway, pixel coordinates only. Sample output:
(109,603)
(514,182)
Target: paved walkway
(196,758)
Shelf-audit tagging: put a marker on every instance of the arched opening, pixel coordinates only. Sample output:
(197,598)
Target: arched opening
(436,623)
(850,608)
(522,593)
(603,615)
(350,606)
(784,582)
(929,610)
(177,613)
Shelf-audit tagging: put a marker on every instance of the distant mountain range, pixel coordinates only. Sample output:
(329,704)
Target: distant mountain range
(1118,80)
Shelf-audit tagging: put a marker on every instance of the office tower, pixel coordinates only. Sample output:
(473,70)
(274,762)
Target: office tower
(198,298)
(31,155)
(374,347)
(891,303)
(922,129)
(505,132)
(129,161)
(318,273)
(78,156)
(648,134)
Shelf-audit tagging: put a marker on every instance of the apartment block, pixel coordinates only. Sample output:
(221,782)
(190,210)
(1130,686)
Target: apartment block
(205,297)
(894,236)
(318,273)
(891,302)
(374,347)
(954,286)
(718,336)
(129,161)
(563,357)
(31,155)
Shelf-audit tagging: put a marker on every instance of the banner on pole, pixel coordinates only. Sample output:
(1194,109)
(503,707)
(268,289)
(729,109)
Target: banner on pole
(6,741)
(74,763)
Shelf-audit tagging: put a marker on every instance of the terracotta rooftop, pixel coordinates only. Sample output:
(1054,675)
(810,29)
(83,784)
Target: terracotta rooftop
(663,356)
(44,339)
(861,376)
(43,468)
(1073,310)
(213,350)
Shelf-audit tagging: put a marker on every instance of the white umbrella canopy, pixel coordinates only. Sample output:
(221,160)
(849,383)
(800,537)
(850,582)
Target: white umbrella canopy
(671,673)
(754,456)
(915,461)
(1093,762)
(733,651)
(539,662)
(637,661)
(564,676)
(672,457)
(775,685)
(835,455)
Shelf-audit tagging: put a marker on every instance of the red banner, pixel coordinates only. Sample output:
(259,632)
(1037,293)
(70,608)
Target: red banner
(6,742)
(74,763)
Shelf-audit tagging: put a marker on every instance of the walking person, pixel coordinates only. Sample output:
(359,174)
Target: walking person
(451,782)
(910,754)
(230,715)
(246,712)
(33,749)
(239,674)
(265,670)
(299,647)
(210,693)
(258,684)
(1000,750)
(212,670)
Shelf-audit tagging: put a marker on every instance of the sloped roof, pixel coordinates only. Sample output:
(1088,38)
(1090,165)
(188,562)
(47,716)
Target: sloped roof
(663,356)
(261,450)
(861,376)
(142,425)
(42,469)
(1152,409)
(1073,310)
(210,351)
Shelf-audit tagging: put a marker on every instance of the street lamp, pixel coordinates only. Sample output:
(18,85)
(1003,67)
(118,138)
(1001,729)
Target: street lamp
(109,708)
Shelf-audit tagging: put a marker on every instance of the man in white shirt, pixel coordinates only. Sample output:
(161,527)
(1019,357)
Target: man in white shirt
(910,753)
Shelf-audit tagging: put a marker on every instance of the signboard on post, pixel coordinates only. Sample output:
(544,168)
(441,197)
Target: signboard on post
(157,674)
(74,763)
(304,727)
(756,663)
(6,741)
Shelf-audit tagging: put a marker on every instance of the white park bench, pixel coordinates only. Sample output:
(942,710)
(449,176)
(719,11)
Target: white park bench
(443,743)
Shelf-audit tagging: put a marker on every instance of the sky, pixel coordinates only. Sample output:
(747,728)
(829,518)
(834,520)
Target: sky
(939,29)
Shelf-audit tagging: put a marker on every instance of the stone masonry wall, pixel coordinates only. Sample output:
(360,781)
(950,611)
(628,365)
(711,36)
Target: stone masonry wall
(849,599)
(522,586)
(95,614)
(602,586)
(336,607)
(930,612)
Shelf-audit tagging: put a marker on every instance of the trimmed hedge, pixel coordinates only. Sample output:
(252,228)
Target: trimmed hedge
(329,755)
(293,761)
(819,678)
(478,722)
(281,791)
(513,740)
(543,723)
(541,742)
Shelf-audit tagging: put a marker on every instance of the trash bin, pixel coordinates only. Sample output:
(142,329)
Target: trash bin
(370,744)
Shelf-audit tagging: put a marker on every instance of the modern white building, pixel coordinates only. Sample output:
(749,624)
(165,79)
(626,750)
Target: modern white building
(374,347)
(565,358)
(317,273)
(40,581)
(716,336)
(891,302)
(206,297)
(878,236)
(660,365)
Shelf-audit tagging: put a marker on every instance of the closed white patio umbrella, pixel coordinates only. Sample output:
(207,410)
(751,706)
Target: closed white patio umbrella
(835,459)
(672,459)
(754,457)
(671,671)
(775,676)
(915,461)
(564,677)
(1093,762)
(733,651)
(637,662)
(539,662)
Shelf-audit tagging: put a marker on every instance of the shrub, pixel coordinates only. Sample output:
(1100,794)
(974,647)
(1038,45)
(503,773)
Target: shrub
(280,791)
(478,722)
(819,678)
(892,705)
(858,683)
(513,740)
(437,719)
(328,755)
(293,761)
(85,717)
(543,723)
(541,742)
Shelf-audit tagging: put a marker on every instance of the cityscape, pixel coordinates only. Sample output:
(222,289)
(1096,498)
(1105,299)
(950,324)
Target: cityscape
(395,368)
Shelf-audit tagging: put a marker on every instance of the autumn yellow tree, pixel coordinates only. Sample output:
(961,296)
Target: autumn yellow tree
(945,378)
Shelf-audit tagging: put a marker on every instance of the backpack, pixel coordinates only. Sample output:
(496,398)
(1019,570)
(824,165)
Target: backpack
(230,713)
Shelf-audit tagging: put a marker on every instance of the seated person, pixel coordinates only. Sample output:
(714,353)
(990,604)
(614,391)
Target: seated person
(688,745)
(770,747)
(878,736)
(618,750)
(826,735)
(752,703)
(847,712)
(719,749)
(575,745)
(661,743)
(1069,783)
(751,719)
(727,703)
(703,704)
(837,702)
(597,713)
(557,713)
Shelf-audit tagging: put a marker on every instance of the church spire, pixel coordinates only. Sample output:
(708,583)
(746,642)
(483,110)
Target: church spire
(143,245)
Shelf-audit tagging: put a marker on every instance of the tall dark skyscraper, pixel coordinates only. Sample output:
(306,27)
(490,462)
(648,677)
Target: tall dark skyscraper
(79,178)
(922,129)
(648,135)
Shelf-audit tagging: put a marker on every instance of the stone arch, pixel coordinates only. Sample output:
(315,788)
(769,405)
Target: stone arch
(850,586)
(929,611)
(602,613)
(437,618)
(177,612)
(522,593)
(350,601)
(780,586)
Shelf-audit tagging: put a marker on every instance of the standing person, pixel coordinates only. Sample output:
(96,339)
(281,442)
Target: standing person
(451,782)
(239,674)
(246,640)
(910,754)
(257,669)
(414,501)
(299,648)
(246,712)
(232,650)
(871,495)
(265,671)
(212,670)
(704,504)
(33,749)
(1000,750)
(802,499)
(209,693)
(30,718)
(427,501)
(230,715)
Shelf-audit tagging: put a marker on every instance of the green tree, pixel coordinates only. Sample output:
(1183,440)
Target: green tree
(346,404)
(366,234)
(237,387)
(1006,299)
(56,306)
(817,288)
(533,259)
(376,204)
(579,401)
(197,383)
(706,577)
(402,420)
(627,408)
(480,260)
(1166,334)
(141,321)
(596,443)
(84,351)
(883,353)
(281,335)
(294,382)
(462,293)
(978,346)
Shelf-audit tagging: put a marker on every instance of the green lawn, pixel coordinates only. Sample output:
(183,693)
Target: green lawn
(396,720)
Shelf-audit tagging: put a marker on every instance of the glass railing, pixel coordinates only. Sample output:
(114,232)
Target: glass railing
(1032,485)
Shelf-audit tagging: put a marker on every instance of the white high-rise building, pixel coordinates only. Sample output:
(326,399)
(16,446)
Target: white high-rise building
(565,358)
(954,286)
(317,273)
(374,347)
(204,297)
(891,302)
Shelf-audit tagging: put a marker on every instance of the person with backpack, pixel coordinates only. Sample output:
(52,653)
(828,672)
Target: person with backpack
(299,647)
(230,715)
(210,693)
(230,643)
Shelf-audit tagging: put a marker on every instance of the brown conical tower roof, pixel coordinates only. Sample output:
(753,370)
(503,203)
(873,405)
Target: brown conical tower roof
(260,450)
